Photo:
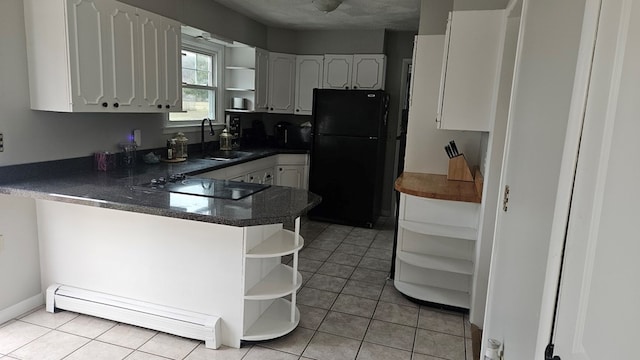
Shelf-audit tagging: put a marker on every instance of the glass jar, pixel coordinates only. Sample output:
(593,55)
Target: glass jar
(225,140)
(181,146)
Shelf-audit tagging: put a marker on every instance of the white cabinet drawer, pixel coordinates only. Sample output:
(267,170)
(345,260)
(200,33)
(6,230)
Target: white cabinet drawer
(442,212)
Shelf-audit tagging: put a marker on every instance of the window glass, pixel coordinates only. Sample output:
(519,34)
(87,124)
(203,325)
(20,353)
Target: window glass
(199,85)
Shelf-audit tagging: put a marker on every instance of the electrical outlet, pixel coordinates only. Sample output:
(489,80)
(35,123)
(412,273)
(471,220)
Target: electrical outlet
(1,142)
(137,137)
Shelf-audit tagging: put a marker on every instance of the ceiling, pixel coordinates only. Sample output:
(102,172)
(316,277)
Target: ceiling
(400,15)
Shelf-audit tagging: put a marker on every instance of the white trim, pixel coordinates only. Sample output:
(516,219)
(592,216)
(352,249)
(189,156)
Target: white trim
(495,250)
(567,172)
(207,47)
(20,308)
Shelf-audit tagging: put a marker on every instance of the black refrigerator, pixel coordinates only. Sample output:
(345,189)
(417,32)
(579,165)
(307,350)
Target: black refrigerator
(347,155)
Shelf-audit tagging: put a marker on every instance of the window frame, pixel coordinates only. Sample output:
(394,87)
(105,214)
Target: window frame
(217,51)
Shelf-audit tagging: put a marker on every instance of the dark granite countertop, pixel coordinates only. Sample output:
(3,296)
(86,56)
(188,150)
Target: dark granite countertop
(118,190)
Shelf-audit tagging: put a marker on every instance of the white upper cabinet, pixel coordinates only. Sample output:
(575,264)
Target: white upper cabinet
(282,74)
(262,80)
(309,71)
(470,70)
(160,86)
(337,71)
(360,71)
(368,71)
(101,56)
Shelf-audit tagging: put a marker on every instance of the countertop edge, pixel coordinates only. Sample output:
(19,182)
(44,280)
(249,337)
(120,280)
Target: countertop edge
(436,186)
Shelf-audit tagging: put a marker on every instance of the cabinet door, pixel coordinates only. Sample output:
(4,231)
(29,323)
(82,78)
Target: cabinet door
(337,71)
(261,84)
(151,66)
(308,77)
(368,72)
(171,51)
(88,39)
(282,70)
(122,24)
(290,175)
(470,70)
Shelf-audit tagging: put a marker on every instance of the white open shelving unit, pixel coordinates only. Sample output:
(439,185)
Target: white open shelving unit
(435,249)
(240,77)
(267,313)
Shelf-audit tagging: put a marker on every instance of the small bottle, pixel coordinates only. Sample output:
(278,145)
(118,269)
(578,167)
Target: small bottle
(169,150)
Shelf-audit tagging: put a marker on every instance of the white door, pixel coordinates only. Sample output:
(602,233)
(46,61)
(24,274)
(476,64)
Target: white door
(151,67)
(122,25)
(308,77)
(171,48)
(598,311)
(262,79)
(337,71)
(87,39)
(282,70)
(290,175)
(368,72)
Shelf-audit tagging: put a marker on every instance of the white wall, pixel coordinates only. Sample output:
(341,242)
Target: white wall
(19,259)
(550,41)
(425,143)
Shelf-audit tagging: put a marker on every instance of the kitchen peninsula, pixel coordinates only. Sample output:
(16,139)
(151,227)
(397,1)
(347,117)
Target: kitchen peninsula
(199,267)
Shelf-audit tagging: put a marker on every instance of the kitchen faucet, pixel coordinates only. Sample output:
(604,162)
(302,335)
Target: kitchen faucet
(202,134)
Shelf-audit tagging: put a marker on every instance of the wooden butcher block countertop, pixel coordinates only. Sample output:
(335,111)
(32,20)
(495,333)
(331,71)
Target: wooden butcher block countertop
(438,187)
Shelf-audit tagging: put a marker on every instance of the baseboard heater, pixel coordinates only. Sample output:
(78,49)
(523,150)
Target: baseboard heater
(156,317)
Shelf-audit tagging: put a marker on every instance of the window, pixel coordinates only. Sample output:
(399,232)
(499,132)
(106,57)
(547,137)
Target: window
(201,66)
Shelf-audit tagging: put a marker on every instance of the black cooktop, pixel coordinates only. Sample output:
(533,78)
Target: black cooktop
(213,188)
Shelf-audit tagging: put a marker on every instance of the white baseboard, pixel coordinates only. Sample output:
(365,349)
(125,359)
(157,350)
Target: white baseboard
(20,308)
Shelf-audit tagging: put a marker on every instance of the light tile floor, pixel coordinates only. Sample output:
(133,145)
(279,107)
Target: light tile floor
(349,310)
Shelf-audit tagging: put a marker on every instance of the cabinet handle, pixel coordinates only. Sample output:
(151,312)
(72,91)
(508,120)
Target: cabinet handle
(104,104)
(168,106)
(116,105)
(271,109)
(280,169)
(355,87)
(159,106)
(297,110)
(346,87)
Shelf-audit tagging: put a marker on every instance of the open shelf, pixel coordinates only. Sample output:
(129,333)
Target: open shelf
(459,232)
(239,89)
(434,294)
(239,68)
(274,322)
(278,283)
(281,243)
(436,262)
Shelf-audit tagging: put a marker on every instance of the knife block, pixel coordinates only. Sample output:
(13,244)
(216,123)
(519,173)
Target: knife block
(459,169)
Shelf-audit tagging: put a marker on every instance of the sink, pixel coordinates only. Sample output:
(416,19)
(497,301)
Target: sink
(224,155)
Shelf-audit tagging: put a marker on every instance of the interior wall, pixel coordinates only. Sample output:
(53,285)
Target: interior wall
(19,258)
(433,16)
(317,42)
(209,16)
(425,142)
(542,97)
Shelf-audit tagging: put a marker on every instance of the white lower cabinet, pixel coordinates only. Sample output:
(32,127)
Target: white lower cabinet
(283,170)
(436,249)
(267,314)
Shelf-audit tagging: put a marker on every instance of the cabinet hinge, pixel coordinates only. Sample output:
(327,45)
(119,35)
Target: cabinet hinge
(548,353)
(505,198)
